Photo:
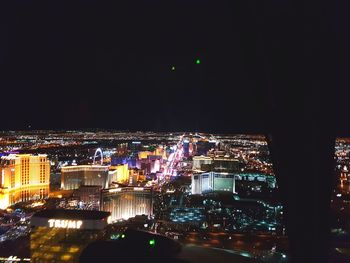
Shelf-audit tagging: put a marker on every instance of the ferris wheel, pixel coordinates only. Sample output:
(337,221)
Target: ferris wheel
(97,152)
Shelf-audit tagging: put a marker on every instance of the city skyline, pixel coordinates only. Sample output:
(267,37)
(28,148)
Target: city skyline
(207,190)
(219,128)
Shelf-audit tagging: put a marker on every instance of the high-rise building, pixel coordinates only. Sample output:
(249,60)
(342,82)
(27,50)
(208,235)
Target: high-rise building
(61,235)
(186,147)
(72,177)
(127,202)
(24,177)
(213,181)
(119,173)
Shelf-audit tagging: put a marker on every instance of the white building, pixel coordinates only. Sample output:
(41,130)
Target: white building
(213,181)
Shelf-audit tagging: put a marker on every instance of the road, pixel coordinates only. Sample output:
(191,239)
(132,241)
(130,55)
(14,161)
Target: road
(172,162)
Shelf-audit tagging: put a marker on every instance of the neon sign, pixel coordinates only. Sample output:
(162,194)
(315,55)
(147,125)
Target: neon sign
(58,223)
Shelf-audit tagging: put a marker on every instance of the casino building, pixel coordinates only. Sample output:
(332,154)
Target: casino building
(23,177)
(118,173)
(72,177)
(59,236)
(213,181)
(127,202)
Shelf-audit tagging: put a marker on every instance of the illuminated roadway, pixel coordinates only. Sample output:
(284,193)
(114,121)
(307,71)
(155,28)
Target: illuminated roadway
(175,157)
(173,160)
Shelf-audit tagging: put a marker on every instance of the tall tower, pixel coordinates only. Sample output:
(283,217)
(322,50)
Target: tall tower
(24,177)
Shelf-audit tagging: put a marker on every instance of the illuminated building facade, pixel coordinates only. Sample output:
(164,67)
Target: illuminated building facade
(154,163)
(136,175)
(344,175)
(61,235)
(117,160)
(24,177)
(144,154)
(159,151)
(119,173)
(127,202)
(213,181)
(72,177)
(198,161)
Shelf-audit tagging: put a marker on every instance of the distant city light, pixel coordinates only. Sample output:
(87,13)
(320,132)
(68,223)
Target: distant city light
(173,68)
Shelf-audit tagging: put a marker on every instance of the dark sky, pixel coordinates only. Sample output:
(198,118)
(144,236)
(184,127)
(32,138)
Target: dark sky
(92,64)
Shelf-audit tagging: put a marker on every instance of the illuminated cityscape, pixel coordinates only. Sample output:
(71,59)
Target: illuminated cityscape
(168,183)
(196,188)
(174,131)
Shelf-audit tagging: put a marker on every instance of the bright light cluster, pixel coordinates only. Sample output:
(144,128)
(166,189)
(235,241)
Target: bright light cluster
(58,223)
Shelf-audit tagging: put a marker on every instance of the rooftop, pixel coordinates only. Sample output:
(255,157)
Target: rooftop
(13,156)
(72,214)
(90,167)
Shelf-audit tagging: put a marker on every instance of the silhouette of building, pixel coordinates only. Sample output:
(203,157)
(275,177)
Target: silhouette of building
(61,235)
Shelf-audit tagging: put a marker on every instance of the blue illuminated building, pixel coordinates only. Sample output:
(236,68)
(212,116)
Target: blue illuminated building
(117,160)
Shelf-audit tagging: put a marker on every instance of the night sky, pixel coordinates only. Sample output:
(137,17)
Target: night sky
(89,64)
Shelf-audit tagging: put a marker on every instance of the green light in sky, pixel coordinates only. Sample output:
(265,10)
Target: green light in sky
(173,68)
(152,242)
(198,61)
